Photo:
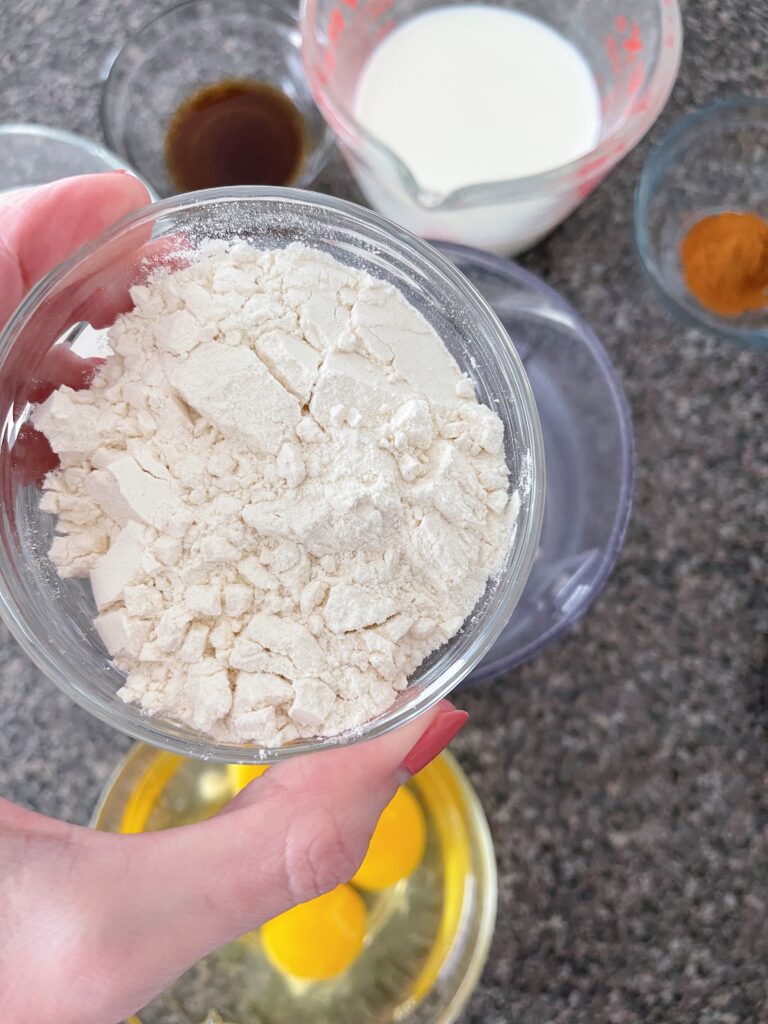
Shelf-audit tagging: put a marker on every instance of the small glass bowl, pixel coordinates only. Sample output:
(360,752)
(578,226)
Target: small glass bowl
(53,618)
(32,154)
(428,935)
(192,45)
(711,161)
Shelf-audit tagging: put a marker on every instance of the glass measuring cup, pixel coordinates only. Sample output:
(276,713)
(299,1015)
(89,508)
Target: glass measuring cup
(633,50)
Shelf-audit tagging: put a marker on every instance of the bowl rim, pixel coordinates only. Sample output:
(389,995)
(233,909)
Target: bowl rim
(82,142)
(271,9)
(686,128)
(613,546)
(511,580)
(589,167)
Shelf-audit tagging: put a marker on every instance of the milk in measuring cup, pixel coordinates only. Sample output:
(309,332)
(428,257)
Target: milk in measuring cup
(472,94)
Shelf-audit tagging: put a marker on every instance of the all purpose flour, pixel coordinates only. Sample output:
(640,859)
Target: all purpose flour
(283,489)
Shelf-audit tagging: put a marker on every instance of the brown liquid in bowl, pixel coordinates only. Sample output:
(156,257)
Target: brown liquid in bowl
(236,132)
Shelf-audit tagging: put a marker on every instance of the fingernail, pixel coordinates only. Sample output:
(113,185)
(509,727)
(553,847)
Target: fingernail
(443,728)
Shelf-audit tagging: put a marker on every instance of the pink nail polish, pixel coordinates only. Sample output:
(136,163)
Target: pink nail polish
(441,731)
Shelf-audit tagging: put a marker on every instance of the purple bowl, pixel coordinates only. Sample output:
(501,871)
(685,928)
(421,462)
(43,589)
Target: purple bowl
(589,453)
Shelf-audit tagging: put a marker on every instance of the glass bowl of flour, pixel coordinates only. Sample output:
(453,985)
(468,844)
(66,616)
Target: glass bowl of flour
(272,475)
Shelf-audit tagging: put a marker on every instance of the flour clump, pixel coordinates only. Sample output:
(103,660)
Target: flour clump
(283,490)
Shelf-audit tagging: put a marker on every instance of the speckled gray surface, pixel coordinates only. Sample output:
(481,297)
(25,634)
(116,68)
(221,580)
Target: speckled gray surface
(625,772)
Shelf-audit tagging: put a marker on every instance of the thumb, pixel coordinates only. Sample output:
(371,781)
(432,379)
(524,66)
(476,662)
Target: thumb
(40,227)
(296,832)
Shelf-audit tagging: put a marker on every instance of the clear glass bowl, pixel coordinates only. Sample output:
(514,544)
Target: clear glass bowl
(428,935)
(52,618)
(633,50)
(588,447)
(713,160)
(32,154)
(192,45)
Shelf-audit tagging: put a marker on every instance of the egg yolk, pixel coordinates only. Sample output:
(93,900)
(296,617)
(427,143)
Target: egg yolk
(240,775)
(320,938)
(397,845)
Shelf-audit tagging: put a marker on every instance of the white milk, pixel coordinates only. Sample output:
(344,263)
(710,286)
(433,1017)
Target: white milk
(472,94)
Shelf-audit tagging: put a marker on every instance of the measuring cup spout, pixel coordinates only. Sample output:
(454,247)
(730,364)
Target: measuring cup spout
(428,199)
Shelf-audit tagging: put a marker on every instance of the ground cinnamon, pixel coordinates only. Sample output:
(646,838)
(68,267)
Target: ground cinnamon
(725,262)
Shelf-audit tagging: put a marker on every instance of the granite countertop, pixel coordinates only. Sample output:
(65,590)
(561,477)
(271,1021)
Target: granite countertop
(625,771)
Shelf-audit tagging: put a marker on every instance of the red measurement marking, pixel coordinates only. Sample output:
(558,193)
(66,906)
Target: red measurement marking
(608,101)
(351,4)
(636,79)
(591,174)
(621,23)
(669,40)
(329,62)
(335,24)
(385,29)
(635,42)
(377,8)
(591,167)
(613,54)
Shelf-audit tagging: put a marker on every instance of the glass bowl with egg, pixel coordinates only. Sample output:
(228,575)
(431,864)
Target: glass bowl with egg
(405,940)
(53,618)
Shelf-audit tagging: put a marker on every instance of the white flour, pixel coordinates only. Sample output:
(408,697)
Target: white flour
(284,492)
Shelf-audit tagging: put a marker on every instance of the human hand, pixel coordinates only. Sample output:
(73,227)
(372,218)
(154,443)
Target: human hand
(94,925)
